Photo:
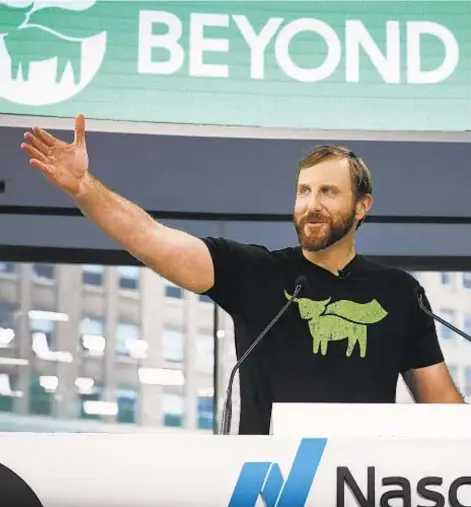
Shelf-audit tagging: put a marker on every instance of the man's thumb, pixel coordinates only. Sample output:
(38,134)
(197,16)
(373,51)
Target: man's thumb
(80,130)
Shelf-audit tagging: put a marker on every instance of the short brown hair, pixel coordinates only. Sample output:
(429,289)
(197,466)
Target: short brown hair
(360,174)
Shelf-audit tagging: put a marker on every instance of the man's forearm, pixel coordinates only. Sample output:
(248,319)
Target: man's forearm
(119,218)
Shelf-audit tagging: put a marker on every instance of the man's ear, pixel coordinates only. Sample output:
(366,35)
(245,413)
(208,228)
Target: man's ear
(363,205)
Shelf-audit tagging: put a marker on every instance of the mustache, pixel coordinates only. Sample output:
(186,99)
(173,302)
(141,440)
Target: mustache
(314,217)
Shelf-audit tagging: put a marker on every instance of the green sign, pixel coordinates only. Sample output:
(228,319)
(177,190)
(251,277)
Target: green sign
(321,65)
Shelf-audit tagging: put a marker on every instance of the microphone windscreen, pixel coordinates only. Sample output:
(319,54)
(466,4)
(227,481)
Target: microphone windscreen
(301,281)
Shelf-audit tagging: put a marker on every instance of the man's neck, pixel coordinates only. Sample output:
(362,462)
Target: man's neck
(334,258)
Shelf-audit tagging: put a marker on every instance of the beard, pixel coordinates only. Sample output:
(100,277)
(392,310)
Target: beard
(333,229)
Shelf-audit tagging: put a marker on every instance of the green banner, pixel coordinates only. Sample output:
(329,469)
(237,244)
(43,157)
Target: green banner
(313,65)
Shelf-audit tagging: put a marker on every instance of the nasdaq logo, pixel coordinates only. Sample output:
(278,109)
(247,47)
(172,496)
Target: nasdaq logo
(265,480)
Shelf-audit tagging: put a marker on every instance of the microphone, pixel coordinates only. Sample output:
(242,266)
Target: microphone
(420,295)
(300,282)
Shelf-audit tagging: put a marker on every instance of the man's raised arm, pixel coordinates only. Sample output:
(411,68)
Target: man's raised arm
(177,256)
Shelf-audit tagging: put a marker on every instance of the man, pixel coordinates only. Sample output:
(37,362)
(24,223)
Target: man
(348,336)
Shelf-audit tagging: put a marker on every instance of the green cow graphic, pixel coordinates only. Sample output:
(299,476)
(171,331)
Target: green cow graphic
(342,320)
(43,34)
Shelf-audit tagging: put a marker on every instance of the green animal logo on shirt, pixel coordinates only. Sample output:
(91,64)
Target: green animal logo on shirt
(342,320)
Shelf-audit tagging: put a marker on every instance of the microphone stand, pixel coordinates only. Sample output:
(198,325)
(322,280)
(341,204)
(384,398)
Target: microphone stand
(444,322)
(227,412)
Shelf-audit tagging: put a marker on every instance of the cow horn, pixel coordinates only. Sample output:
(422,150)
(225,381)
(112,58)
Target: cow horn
(289,297)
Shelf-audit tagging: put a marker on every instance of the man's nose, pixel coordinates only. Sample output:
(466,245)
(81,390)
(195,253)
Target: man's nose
(315,202)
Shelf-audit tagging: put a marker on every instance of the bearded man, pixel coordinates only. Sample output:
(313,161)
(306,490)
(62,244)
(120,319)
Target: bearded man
(346,338)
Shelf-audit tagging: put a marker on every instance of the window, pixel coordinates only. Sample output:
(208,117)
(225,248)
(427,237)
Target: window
(443,331)
(43,272)
(94,394)
(446,278)
(172,345)
(127,399)
(127,334)
(205,412)
(8,268)
(7,324)
(8,393)
(172,408)
(467,323)
(92,339)
(467,280)
(92,325)
(42,332)
(172,290)
(41,395)
(205,351)
(128,277)
(92,274)
(467,380)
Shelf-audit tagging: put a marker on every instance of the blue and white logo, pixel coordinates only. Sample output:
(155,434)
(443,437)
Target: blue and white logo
(265,479)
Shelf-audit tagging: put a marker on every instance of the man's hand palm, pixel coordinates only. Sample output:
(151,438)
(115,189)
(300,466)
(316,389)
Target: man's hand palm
(68,165)
(64,164)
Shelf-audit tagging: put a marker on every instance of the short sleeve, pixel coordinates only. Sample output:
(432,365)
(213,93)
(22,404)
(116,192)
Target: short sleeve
(237,268)
(422,346)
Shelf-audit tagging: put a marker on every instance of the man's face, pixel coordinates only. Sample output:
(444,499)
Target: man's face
(326,209)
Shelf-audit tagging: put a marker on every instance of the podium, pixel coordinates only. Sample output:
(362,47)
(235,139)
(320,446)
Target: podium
(371,420)
(319,456)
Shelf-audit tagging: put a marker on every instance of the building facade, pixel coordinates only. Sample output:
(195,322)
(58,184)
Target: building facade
(449,294)
(114,344)
(122,349)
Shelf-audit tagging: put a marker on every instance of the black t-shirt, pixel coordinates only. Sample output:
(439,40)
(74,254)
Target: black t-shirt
(345,340)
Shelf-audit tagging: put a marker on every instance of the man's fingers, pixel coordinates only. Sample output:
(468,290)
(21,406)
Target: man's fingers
(45,137)
(41,166)
(33,152)
(37,143)
(80,130)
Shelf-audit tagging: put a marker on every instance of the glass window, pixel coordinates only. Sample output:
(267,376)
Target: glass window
(43,271)
(7,314)
(467,280)
(172,408)
(94,394)
(41,395)
(42,332)
(172,291)
(443,331)
(467,380)
(8,268)
(92,325)
(173,345)
(127,399)
(446,278)
(128,277)
(467,323)
(205,412)
(205,351)
(93,274)
(8,392)
(92,331)
(127,334)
